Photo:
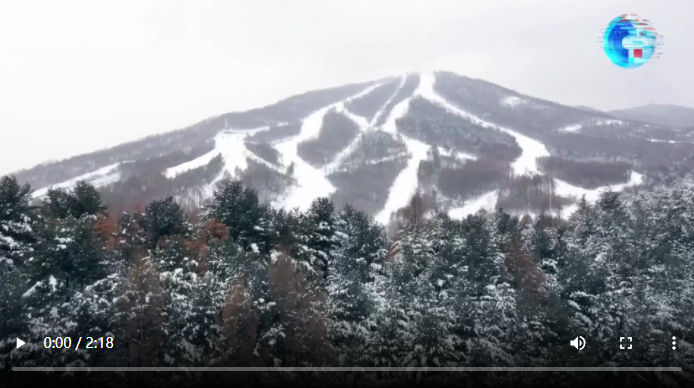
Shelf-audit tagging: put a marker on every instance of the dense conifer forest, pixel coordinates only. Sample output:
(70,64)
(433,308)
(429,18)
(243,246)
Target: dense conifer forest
(242,284)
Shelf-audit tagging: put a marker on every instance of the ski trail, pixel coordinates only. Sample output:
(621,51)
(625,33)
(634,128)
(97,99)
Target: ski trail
(98,178)
(361,122)
(406,183)
(189,165)
(525,164)
(231,145)
(485,201)
(340,157)
(568,190)
(531,148)
(373,122)
(311,182)
(455,154)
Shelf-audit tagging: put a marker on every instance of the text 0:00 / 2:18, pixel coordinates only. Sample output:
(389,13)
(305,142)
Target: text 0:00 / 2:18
(84,342)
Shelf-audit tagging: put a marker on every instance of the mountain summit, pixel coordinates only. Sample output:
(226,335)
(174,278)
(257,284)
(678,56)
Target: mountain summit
(462,144)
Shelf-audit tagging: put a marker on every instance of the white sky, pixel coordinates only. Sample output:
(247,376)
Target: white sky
(78,76)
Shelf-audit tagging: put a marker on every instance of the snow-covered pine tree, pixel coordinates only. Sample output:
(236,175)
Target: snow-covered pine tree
(358,258)
(16,239)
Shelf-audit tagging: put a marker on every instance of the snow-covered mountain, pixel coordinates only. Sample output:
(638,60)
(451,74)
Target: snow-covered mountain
(464,144)
(659,114)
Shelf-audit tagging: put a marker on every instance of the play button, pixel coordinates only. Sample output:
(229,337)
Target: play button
(20,343)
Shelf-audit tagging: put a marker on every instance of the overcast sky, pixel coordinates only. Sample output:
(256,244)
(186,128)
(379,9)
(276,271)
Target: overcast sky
(78,76)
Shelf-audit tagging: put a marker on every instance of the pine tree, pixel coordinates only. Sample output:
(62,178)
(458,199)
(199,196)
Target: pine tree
(163,218)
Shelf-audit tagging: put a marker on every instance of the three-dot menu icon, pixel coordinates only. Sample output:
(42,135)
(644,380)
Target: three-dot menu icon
(674,343)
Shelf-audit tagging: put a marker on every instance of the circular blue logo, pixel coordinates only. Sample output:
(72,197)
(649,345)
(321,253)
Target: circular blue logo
(630,41)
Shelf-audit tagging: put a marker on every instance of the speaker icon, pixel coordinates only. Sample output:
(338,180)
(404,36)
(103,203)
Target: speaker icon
(578,343)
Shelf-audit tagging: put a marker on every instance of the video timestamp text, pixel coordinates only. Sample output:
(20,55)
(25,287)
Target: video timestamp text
(84,342)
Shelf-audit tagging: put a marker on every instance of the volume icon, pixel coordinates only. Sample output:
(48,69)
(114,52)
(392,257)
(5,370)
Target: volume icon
(578,343)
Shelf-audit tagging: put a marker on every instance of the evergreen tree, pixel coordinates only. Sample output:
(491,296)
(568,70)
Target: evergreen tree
(163,218)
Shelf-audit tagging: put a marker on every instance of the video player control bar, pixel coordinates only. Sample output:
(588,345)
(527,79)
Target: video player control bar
(348,369)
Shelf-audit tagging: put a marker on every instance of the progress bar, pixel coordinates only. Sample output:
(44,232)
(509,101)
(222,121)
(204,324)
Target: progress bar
(347,369)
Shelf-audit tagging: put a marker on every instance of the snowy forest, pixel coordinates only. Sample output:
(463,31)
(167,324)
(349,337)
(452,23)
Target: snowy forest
(243,284)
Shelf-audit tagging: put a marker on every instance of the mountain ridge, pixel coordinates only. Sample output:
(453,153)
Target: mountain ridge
(460,140)
(670,115)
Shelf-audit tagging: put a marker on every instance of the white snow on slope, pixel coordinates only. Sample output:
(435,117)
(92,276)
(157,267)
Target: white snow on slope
(572,128)
(526,163)
(566,189)
(485,201)
(340,157)
(667,141)
(360,121)
(311,182)
(609,122)
(398,111)
(403,78)
(511,101)
(98,178)
(406,183)
(531,149)
(195,163)
(456,154)
(231,145)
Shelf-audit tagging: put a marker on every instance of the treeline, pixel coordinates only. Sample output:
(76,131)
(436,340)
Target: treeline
(249,285)
(531,193)
(589,174)
(473,178)
(138,188)
(648,155)
(264,151)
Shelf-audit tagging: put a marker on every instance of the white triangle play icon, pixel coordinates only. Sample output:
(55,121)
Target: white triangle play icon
(20,343)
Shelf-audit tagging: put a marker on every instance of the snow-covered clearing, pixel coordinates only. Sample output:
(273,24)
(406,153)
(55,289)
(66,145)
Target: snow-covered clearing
(511,101)
(566,189)
(609,122)
(572,128)
(485,201)
(100,177)
(311,182)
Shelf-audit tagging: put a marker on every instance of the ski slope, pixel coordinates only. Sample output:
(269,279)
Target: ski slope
(524,164)
(568,190)
(231,145)
(195,163)
(406,183)
(100,177)
(363,128)
(531,148)
(311,182)
(485,201)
